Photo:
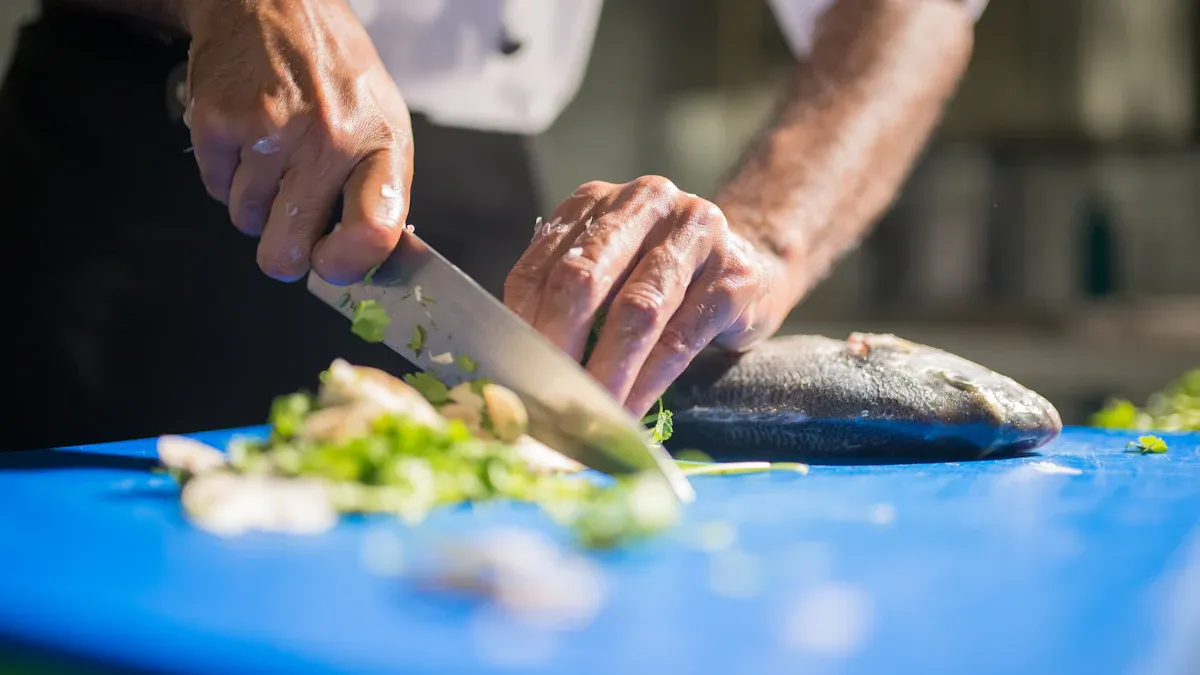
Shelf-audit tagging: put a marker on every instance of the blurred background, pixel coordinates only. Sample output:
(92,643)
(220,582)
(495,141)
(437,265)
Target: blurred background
(1051,230)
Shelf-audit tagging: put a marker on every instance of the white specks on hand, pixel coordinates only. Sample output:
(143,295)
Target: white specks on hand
(390,208)
(295,254)
(832,620)
(293,210)
(574,252)
(267,145)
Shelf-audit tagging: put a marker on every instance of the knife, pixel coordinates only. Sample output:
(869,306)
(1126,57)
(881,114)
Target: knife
(569,411)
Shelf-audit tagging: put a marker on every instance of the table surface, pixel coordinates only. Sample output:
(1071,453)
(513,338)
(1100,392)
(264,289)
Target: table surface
(1079,558)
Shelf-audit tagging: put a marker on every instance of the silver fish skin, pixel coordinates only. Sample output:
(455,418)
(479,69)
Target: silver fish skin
(869,398)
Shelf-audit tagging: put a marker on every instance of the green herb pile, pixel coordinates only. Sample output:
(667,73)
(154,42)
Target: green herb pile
(1175,408)
(407,468)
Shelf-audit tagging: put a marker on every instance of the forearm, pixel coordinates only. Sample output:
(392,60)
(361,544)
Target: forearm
(853,120)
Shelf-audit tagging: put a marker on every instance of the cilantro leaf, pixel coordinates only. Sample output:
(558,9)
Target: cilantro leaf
(433,389)
(1146,445)
(370,278)
(288,413)
(370,321)
(417,343)
(467,364)
(664,426)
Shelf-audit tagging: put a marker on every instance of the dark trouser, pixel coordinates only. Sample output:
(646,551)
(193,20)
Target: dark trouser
(133,307)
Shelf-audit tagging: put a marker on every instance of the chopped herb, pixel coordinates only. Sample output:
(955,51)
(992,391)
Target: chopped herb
(370,321)
(663,425)
(344,300)
(430,387)
(370,278)
(417,343)
(467,364)
(735,468)
(288,413)
(594,335)
(692,456)
(1175,408)
(1146,445)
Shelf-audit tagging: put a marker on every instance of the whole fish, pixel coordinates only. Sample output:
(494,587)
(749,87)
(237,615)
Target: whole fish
(869,398)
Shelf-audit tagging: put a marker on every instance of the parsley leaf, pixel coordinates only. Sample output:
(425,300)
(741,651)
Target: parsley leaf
(467,364)
(664,427)
(1146,445)
(417,343)
(430,387)
(370,321)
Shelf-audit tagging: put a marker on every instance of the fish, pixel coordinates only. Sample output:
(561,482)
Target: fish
(871,398)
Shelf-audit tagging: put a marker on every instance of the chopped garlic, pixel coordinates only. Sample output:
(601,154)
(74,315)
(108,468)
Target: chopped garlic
(227,504)
(186,454)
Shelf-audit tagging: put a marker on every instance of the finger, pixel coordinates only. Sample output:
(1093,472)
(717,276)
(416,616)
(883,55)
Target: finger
(756,321)
(551,239)
(720,297)
(601,257)
(653,294)
(255,184)
(217,155)
(298,217)
(374,211)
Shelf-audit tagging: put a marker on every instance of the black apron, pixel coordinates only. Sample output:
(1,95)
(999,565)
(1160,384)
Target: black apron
(134,308)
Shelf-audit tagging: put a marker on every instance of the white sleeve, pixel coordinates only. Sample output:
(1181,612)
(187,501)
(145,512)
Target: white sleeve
(798,19)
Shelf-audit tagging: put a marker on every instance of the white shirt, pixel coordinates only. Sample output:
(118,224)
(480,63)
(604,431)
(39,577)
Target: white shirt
(447,56)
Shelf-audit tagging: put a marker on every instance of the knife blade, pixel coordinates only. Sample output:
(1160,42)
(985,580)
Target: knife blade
(569,411)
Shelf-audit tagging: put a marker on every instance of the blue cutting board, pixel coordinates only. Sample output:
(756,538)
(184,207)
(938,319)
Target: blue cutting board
(1079,559)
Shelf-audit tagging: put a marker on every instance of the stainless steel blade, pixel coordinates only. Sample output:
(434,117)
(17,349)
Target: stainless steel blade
(568,410)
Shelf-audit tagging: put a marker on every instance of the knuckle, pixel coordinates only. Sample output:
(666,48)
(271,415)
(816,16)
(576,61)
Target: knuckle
(724,293)
(592,190)
(523,277)
(574,275)
(699,212)
(640,303)
(656,185)
(249,216)
(677,341)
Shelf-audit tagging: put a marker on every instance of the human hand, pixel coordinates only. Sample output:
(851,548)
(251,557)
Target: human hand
(666,265)
(289,106)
